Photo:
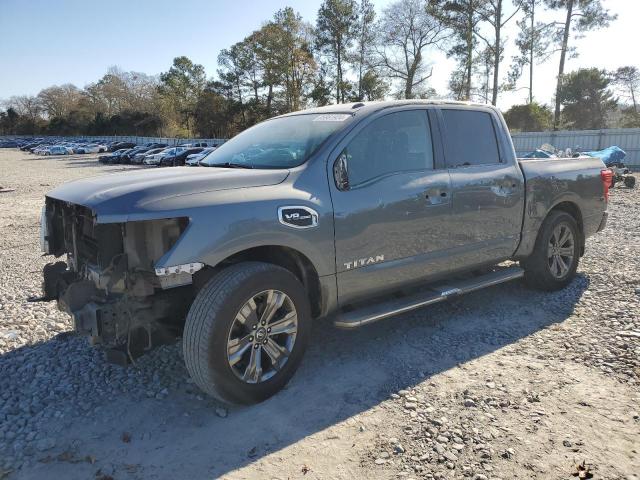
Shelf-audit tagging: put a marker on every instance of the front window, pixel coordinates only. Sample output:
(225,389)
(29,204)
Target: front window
(284,142)
(397,142)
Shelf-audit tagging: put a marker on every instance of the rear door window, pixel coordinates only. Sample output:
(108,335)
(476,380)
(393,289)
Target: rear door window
(470,138)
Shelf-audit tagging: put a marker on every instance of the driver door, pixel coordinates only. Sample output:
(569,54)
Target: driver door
(391,220)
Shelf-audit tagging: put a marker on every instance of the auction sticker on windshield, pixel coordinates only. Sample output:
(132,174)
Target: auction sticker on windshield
(332,117)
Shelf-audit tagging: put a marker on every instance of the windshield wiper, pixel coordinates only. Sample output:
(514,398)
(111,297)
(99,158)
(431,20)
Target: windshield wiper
(229,165)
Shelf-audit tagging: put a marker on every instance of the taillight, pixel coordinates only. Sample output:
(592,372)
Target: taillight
(607,178)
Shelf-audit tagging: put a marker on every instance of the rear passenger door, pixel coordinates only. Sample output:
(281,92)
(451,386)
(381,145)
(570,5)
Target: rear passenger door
(391,220)
(486,184)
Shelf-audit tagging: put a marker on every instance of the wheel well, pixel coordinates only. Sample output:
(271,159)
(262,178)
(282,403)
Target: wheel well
(285,257)
(573,210)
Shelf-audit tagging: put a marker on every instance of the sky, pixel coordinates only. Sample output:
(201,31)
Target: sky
(45,42)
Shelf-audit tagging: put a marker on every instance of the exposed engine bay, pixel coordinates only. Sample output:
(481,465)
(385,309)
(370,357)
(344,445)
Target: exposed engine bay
(109,283)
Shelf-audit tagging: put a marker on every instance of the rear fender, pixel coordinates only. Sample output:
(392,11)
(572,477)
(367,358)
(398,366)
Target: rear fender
(552,183)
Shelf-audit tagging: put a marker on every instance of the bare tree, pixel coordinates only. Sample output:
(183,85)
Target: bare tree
(580,16)
(335,32)
(492,12)
(26,105)
(627,79)
(462,18)
(58,101)
(534,43)
(406,30)
(365,39)
(485,59)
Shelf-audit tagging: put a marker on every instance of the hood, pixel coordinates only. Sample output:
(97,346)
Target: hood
(131,191)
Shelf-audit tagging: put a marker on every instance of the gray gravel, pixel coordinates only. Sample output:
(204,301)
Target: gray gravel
(450,431)
(504,383)
(48,376)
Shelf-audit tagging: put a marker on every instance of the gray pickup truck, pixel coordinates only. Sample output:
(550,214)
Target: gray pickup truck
(354,212)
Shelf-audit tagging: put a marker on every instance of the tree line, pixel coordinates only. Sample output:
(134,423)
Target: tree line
(352,53)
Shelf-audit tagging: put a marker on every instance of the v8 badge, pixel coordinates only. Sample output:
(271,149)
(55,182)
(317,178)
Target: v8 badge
(298,216)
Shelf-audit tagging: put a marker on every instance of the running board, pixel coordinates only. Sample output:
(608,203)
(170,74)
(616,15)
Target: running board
(435,294)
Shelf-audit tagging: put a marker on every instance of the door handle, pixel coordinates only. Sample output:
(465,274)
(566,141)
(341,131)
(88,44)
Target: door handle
(442,194)
(506,189)
(435,197)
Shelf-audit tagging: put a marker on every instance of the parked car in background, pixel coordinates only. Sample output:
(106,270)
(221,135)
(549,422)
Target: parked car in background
(157,145)
(167,152)
(59,150)
(179,158)
(31,145)
(122,158)
(138,158)
(110,158)
(41,150)
(126,158)
(193,159)
(194,145)
(120,145)
(91,148)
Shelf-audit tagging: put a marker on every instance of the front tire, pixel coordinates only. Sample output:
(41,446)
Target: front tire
(246,332)
(555,257)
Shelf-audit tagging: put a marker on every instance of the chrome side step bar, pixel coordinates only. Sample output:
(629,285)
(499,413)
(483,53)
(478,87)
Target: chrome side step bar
(435,294)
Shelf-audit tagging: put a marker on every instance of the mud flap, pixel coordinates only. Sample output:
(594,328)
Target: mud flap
(55,276)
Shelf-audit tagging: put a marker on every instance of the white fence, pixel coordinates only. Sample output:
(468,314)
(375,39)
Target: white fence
(627,139)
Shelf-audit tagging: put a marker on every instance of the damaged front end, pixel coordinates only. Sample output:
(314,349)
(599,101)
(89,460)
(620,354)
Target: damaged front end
(109,283)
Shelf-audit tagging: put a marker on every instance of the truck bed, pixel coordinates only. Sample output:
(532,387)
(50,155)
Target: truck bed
(552,181)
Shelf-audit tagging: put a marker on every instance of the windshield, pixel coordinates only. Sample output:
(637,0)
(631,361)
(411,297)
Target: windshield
(284,142)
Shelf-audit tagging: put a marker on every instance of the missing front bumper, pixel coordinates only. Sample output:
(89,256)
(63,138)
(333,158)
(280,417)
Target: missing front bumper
(127,325)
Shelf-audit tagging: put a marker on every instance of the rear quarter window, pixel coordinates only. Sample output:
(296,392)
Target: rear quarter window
(470,138)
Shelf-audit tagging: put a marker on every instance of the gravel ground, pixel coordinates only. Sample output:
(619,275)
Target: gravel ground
(502,383)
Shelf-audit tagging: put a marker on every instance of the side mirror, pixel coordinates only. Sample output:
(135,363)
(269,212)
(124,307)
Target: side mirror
(341,172)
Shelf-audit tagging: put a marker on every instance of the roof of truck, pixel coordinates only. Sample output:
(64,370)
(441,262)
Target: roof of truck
(369,107)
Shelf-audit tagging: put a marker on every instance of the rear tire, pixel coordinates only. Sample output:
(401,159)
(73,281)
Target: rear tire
(629,181)
(227,347)
(555,257)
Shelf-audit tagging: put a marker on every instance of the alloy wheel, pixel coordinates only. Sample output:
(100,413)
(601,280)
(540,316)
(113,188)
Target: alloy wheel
(262,336)
(561,250)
